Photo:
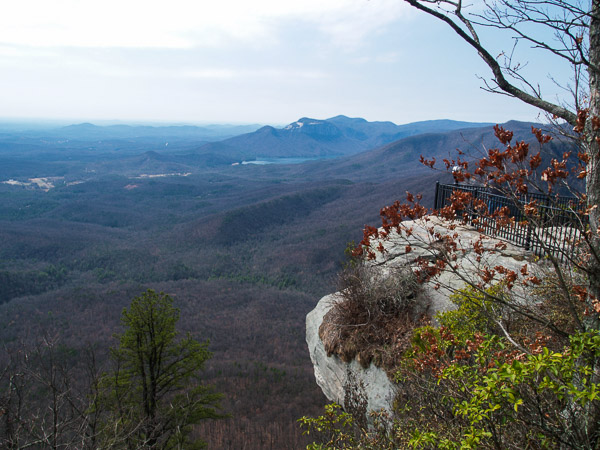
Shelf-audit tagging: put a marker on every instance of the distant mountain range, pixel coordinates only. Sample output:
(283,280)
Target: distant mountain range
(223,144)
(88,132)
(400,159)
(348,148)
(390,161)
(332,137)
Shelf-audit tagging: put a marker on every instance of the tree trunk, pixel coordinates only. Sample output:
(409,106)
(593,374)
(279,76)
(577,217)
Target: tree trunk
(593,149)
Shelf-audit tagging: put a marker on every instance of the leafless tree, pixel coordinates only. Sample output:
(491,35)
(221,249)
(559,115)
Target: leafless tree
(570,32)
(49,396)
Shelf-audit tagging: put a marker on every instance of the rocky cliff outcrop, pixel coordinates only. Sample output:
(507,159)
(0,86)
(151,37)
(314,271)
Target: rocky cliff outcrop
(358,389)
(362,390)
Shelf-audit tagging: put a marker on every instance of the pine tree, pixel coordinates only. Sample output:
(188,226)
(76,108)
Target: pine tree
(154,393)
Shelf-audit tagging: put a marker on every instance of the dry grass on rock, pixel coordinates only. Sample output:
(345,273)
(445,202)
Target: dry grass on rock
(373,319)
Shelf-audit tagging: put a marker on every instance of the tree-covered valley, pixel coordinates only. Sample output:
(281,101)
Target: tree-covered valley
(90,217)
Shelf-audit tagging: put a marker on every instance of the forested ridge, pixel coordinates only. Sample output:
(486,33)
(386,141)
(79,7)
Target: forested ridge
(245,252)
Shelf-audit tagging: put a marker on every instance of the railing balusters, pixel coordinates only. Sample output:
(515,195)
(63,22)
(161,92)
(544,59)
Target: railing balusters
(558,226)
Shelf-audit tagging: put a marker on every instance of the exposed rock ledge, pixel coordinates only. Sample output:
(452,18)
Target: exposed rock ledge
(348,384)
(361,390)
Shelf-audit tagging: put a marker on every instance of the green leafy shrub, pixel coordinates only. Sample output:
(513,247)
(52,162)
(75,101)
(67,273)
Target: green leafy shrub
(468,384)
(475,312)
(511,401)
(337,429)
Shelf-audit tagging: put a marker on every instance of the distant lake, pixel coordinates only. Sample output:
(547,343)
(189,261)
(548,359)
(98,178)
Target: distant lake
(264,161)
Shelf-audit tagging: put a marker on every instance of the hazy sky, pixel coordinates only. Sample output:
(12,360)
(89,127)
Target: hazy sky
(236,61)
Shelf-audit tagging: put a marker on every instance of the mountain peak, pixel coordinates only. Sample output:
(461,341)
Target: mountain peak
(304,121)
(345,119)
(81,126)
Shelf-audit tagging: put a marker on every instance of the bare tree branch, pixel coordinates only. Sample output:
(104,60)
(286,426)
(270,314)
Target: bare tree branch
(496,69)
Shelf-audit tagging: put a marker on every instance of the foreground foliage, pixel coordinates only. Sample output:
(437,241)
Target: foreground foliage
(490,393)
(463,387)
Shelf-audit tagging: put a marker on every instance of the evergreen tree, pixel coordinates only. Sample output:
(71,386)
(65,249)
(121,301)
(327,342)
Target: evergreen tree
(154,393)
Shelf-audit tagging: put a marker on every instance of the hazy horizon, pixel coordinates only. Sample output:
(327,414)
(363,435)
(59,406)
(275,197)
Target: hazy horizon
(265,62)
(50,123)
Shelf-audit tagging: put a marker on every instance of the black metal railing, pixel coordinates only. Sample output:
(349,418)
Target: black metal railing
(557,226)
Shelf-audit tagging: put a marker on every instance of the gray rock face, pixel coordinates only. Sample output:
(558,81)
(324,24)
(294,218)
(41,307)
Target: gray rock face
(362,390)
(357,389)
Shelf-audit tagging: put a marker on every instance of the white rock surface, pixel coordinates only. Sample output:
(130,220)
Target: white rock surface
(467,264)
(347,384)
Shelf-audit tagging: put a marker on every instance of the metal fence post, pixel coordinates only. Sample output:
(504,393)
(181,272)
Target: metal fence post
(528,238)
(474,214)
